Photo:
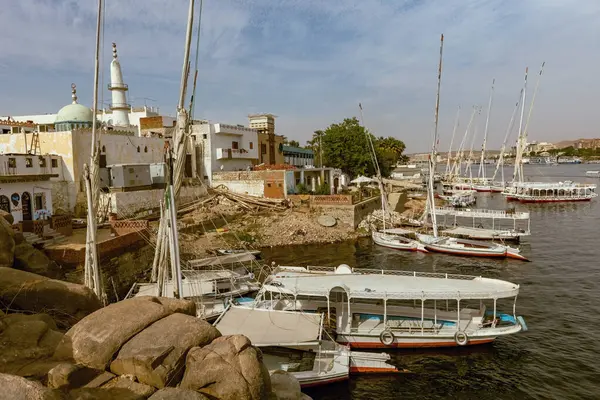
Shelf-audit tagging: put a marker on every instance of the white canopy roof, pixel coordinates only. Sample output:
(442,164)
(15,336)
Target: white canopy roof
(270,327)
(361,179)
(221,260)
(392,285)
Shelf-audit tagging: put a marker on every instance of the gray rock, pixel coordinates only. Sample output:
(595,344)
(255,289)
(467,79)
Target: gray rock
(156,355)
(229,368)
(7,244)
(177,394)
(96,338)
(30,259)
(68,376)
(25,339)
(18,388)
(285,386)
(65,302)
(7,216)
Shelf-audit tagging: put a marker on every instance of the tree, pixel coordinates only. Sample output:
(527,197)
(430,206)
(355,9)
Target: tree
(294,143)
(315,145)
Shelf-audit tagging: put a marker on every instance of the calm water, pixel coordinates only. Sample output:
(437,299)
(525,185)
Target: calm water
(558,358)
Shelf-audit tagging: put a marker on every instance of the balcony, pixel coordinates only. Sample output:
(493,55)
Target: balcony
(118,86)
(225,129)
(243,154)
(120,106)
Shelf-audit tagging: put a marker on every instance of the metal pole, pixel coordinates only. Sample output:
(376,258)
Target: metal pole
(487,121)
(91,248)
(186,56)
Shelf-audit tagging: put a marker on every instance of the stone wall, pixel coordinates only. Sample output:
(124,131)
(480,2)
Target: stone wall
(350,215)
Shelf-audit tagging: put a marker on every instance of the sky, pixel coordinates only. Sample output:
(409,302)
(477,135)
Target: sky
(311,62)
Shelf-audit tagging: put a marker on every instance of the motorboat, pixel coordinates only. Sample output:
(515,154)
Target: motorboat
(370,309)
(467,247)
(395,239)
(296,342)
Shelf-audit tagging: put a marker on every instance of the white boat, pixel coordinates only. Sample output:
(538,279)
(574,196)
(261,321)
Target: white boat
(395,239)
(226,252)
(592,173)
(394,309)
(293,341)
(211,290)
(550,192)
(471,248)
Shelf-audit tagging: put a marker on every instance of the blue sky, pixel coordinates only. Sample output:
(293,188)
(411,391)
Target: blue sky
(311,62)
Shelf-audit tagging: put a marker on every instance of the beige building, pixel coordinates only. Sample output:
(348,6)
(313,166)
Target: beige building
(270,145)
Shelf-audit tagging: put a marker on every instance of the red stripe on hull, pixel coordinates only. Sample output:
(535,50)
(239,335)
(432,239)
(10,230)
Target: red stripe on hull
(323,382)
(460,253)
(378,345)
(372,370)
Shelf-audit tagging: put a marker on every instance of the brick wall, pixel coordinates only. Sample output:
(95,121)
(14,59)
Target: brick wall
(126,226)
(62,224)
(350,215)
(345,199)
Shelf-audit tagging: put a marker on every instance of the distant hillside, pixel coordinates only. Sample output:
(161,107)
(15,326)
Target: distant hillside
(565,143)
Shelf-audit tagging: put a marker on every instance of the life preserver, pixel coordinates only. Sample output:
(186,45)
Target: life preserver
(386,337)
(461,338)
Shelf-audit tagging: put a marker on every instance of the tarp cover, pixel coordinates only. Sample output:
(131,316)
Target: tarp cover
(270,327)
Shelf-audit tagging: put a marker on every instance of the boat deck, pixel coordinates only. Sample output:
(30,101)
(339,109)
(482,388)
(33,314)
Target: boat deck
(484,234)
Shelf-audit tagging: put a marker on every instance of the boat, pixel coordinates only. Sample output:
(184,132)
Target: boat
(551,192)
(593,173)
(225,252)
(453,245)
(460,198)
(294,341)
(374,309)
(208,284)
(395,239)
(471,248)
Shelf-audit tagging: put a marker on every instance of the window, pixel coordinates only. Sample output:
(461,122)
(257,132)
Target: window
(54,163)
(42,162)
(204,136)
(234,145)
(138,149)
(12,162)
(102,161)
(104,149)
(145,149)
(28,162)
(263,148)
(251,145)
(39,201)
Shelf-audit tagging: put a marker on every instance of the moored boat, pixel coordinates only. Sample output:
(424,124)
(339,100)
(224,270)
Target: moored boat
(396,309)
(469,248)
(394,239)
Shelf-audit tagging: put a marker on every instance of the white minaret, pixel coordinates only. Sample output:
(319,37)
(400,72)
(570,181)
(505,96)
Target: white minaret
(120,108)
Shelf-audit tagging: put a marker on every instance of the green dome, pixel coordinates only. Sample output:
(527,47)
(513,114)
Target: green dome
(74,113)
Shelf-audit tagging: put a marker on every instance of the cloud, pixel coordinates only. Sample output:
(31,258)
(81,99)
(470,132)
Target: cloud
(311,61)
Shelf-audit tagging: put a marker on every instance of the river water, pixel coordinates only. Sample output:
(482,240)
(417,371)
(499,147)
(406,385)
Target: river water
(558,358)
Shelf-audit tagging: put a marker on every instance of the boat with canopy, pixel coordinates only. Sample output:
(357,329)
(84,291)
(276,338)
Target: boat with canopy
(369,308)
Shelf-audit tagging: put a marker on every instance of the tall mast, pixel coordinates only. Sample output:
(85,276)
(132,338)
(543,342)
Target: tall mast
(485,134)
(456,169)
(92,271)
(500,162)
(518,170)
(456,122)
(435,142)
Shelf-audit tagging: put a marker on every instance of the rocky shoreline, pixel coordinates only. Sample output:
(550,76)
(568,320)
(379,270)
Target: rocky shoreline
(57,342)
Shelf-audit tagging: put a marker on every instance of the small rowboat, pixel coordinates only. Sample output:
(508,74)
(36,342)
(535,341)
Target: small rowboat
(469,248)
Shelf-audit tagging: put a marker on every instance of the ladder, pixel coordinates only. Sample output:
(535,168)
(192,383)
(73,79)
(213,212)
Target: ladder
(35,144)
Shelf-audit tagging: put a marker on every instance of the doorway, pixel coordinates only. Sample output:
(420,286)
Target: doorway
(4,203)
(26,206)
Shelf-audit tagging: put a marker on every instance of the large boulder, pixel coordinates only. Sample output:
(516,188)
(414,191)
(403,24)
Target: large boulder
(30,259)
(285,386)
(120,388)
(156,355)
(66,302)
(170,393)
(17,388)
(229,368)
(25,339)
(7,244)
(95,340)
(7,216)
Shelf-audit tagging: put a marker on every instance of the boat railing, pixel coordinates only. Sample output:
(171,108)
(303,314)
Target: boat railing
(321,269)
(481,213)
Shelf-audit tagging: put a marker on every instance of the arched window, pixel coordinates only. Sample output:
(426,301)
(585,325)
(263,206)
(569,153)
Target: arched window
(4,203)
(104,149)
(138,149)
(145,149)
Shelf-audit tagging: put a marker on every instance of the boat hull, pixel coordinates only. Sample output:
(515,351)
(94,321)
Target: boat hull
(373,342)
(553,200)
(397,243)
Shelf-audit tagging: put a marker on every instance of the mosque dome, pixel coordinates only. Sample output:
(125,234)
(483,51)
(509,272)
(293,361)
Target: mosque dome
(74,115)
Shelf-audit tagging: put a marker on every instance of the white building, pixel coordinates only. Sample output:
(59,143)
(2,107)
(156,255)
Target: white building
(224,147)
(27,184)
(72,142)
